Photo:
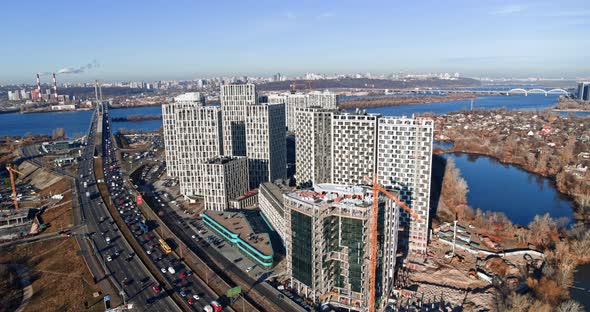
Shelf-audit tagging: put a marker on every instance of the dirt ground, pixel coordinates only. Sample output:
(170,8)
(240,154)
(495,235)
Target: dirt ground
(60,278)
(59,215)
(10,292)
(37,177)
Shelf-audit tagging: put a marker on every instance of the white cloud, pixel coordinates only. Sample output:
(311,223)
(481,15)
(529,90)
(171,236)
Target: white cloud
(509,9)
(326,15)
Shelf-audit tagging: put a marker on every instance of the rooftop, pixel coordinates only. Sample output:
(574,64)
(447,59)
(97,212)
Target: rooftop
(342,195)
(236,223)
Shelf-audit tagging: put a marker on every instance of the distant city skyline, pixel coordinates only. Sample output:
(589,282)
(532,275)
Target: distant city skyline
(149,40)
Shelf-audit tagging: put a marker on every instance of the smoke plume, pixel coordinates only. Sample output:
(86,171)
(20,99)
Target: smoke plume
(78,70)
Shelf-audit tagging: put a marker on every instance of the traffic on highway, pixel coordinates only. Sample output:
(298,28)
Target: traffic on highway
(196,295)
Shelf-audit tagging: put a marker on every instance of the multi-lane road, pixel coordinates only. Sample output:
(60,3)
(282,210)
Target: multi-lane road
(127,272)
(194,293)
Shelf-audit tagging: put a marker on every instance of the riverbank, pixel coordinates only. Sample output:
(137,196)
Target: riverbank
(394,100)
(137,118)
(541,143)
(565,104)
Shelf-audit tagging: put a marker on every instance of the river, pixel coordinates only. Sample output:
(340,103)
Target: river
(76,123)
(519,194)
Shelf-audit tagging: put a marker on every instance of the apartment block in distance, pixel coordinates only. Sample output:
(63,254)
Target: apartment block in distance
(224,178)
(234,99)
(192,135)
(328,247)
(314,145)
(265,143)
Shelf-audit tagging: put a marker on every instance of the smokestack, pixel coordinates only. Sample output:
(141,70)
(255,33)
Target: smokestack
(38,83)
(54,86)
(96,90)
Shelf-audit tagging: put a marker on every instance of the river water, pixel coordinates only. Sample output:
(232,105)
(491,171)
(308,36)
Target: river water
(520,195)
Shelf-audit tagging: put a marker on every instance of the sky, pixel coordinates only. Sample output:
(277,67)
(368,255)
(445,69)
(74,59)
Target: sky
(116,40)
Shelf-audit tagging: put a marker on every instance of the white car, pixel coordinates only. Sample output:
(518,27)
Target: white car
(196,297)
(250,268)
(163,270)
(171,270)
(194,236)
(149,252)
(109,258)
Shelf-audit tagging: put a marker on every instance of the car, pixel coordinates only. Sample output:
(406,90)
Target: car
(171,270)
(156,289)
(194,236)
(250,268)
(196,297)
(182,275)
(189,273)
(190,301)
(109,258)
(116,253)
(183,293)
(149,251)
(163,270)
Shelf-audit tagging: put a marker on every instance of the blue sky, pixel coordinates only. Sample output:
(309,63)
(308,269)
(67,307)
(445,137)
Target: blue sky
(134,40)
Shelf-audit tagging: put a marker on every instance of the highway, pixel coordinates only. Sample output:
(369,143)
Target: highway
(194,292)
(125,269)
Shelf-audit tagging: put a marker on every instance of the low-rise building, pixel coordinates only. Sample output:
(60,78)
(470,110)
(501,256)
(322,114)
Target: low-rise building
(270,202)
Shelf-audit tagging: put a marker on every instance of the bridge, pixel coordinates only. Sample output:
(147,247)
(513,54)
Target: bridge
(537,91)
(488,92)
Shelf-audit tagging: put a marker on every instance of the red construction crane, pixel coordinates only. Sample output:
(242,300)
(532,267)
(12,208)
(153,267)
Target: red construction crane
(373,233)
(11,172)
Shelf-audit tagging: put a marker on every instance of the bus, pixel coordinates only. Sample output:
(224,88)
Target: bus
(165,246)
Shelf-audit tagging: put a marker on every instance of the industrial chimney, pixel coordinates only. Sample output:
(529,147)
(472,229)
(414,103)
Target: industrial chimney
(38,83)
(54,87)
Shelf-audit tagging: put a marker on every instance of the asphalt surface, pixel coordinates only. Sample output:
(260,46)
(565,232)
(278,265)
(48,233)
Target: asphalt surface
(186,284)
(217,261)
(125,268)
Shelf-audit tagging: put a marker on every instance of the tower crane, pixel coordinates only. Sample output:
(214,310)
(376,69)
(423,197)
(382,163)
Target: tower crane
(11,171)
(373,233)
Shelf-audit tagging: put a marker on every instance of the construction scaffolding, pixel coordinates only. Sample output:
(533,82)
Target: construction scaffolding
(327,236)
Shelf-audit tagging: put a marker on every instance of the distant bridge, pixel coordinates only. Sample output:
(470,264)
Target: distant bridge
(539,91)
(490,92)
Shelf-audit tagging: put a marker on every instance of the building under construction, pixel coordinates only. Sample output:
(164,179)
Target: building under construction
(328,243)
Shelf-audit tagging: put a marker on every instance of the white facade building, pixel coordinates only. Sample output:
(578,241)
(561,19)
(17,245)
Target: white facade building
(314,145)
(234,99)
(295,101)
(404,163)
(270,202)
(354,138)
(224,178)
(265,142)
(397,149)
(192,135)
